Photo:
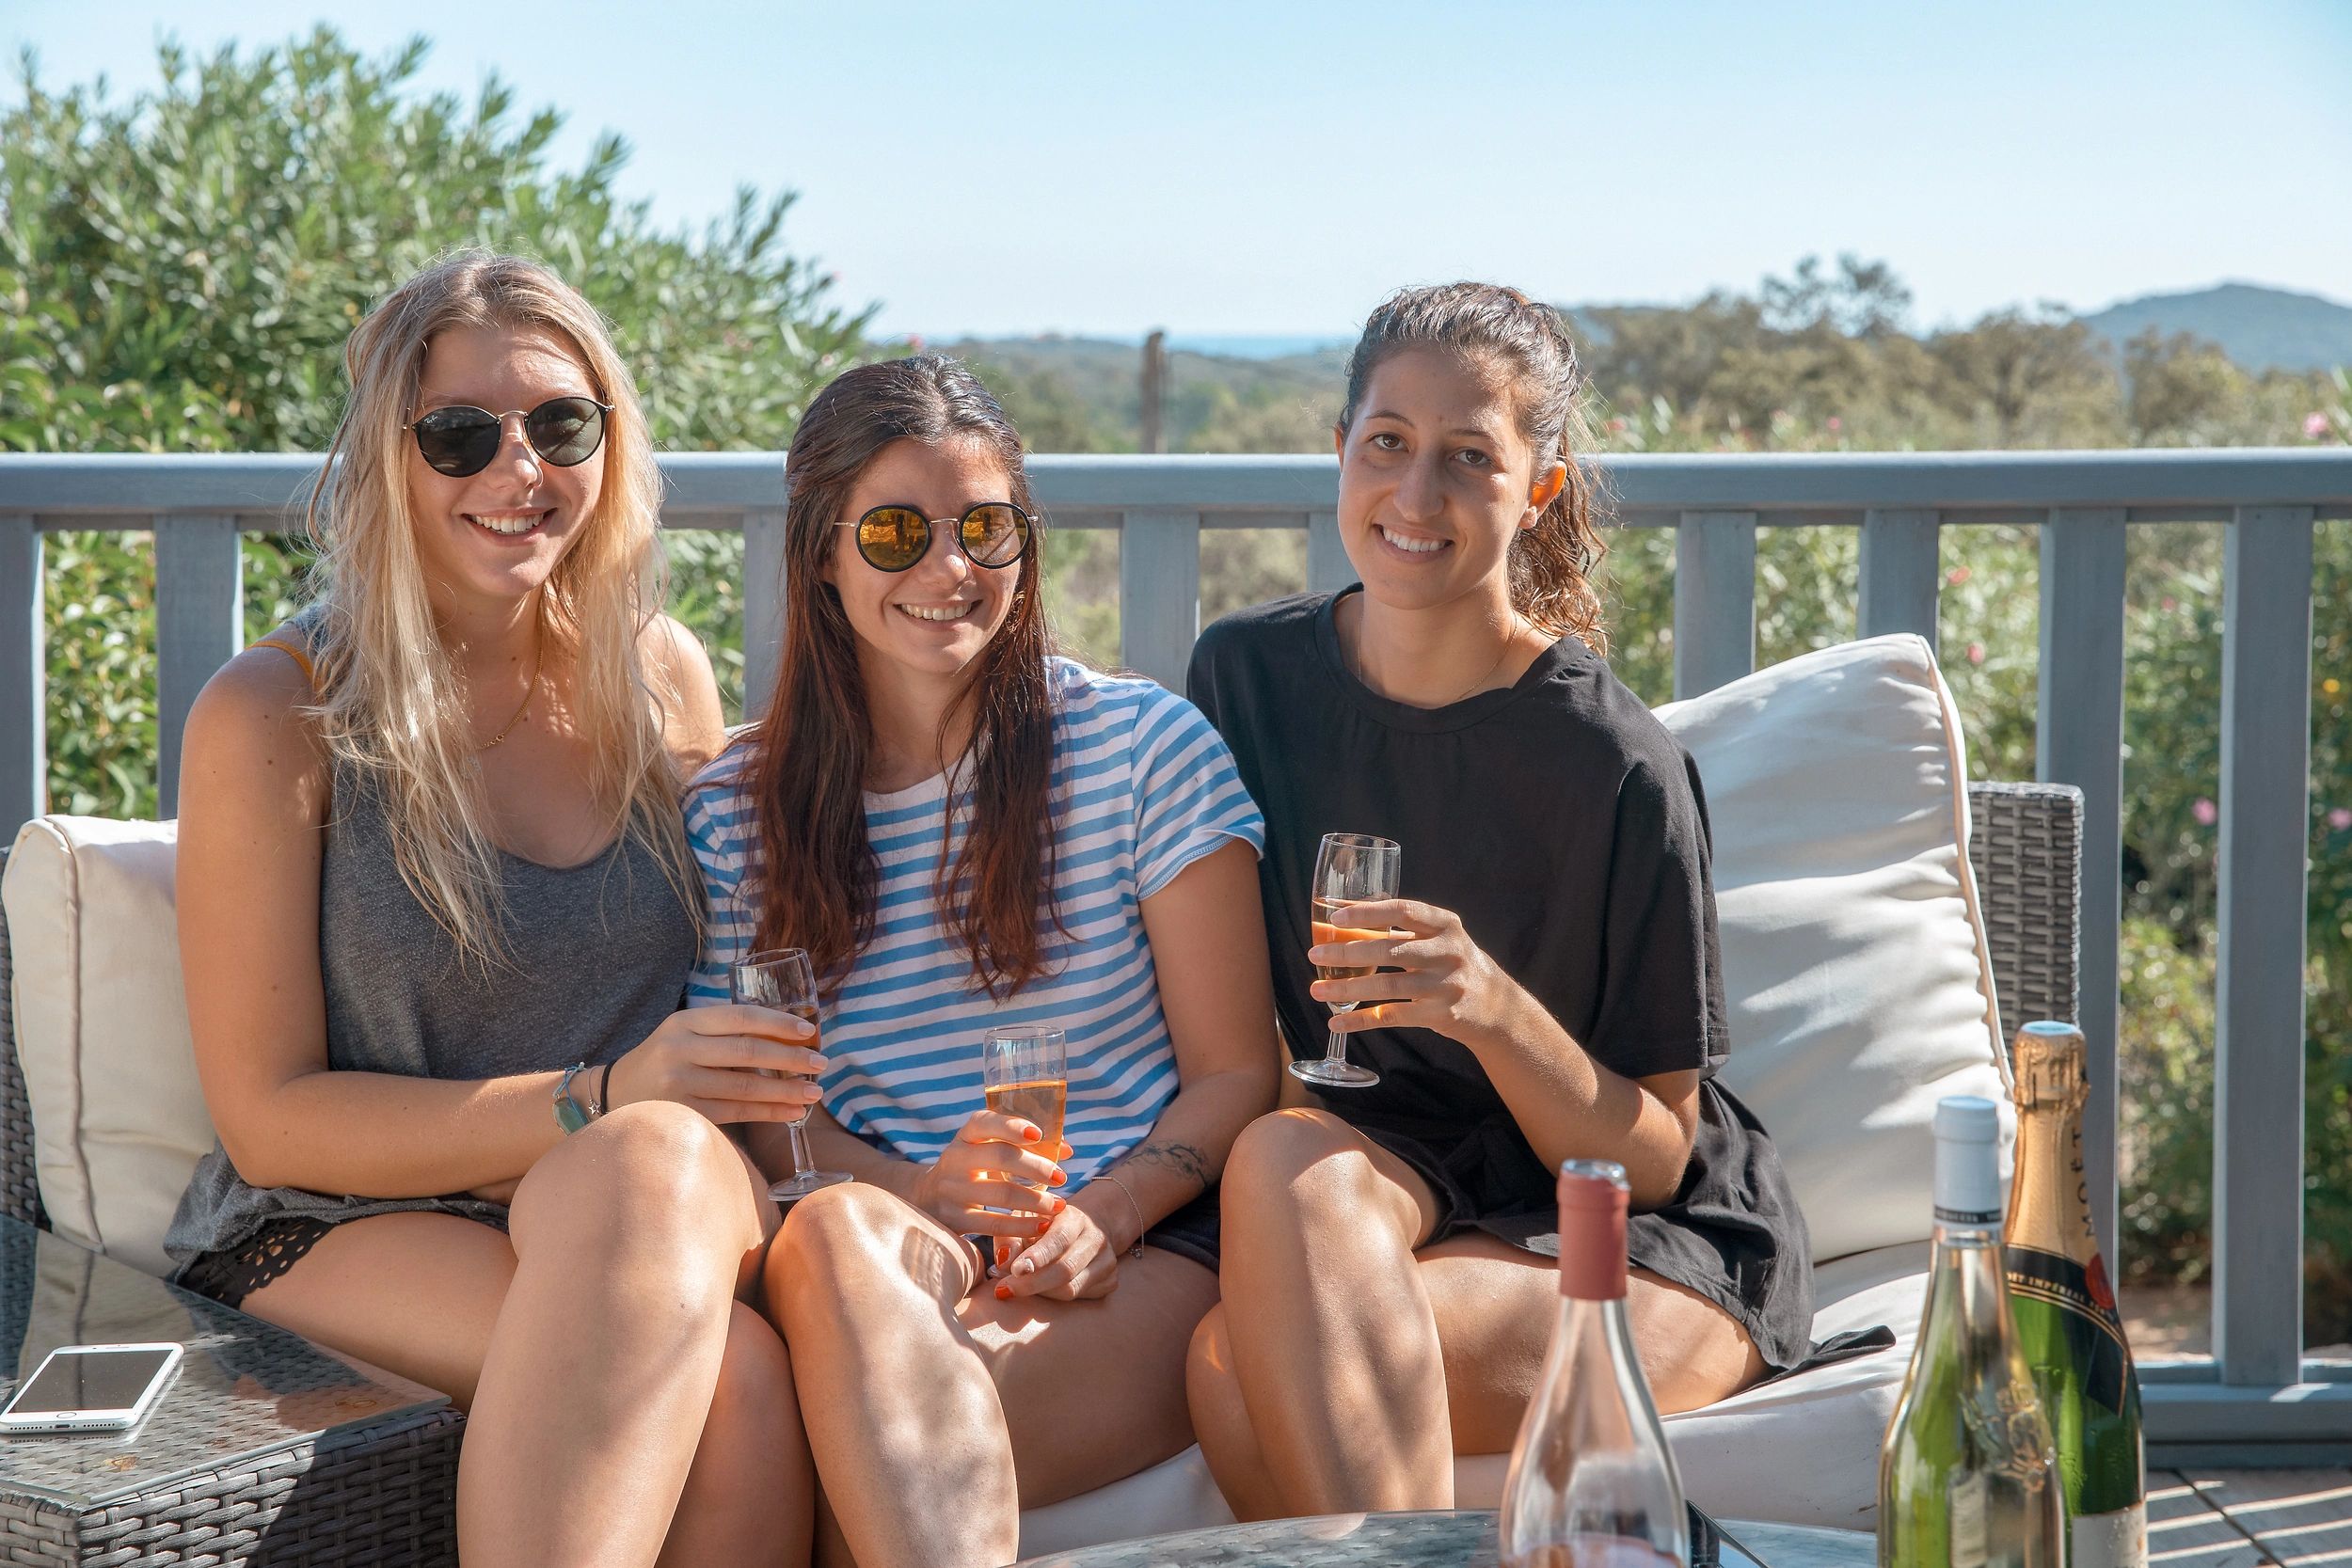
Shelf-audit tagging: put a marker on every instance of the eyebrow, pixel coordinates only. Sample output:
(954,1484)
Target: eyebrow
(1483,432)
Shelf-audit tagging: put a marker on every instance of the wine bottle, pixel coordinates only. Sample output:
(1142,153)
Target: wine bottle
(2064,1308)
(1592,1483)
(1969,1475)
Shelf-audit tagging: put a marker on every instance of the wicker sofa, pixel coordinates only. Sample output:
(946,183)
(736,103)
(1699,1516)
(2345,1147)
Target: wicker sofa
(1793,906)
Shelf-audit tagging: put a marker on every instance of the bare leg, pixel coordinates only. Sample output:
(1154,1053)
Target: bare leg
(1490,1309)
(591,1400)
(937,1415)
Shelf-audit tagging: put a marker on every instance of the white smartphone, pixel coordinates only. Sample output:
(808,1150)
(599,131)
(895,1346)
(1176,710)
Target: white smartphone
(91,1388)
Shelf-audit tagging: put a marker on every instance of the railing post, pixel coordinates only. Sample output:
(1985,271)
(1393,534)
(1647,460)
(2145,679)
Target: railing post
(1159,593)
(2266,833)
(199,611)
(1714,600)
(2079,739)
(1328,570)
(763,605)
(1901,571)
(23,677)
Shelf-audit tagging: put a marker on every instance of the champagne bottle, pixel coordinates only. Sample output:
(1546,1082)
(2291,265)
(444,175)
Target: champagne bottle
(2064,1308)
(1968,1477)
(1592,1483)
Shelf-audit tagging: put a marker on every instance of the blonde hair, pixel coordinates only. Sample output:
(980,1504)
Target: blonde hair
(390,702)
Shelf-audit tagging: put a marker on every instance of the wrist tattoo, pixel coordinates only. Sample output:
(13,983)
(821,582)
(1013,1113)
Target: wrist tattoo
(1185,1159)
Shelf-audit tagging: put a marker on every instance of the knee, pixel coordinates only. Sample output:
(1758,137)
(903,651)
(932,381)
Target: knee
(1220,1419)
(831,1242)
(649,1175)
(1295,1156)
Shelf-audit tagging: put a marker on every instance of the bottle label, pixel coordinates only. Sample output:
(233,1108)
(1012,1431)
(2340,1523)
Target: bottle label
(2116,1540)
(2094,1330)
(1965,1519)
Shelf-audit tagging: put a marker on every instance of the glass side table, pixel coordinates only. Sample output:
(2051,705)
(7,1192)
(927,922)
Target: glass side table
(266,1448)
(1433,1540)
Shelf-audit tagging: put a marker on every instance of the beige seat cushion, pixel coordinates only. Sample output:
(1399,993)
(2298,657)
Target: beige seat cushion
(102,1027)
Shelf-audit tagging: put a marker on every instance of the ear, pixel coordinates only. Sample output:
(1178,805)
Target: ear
(1546,488)
(1339,441)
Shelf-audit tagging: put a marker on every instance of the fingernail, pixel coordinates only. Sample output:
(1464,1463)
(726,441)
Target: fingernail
(1004,1293)
(1042,1227)
(1030,1135)
(1059,1204)
(1058,1178)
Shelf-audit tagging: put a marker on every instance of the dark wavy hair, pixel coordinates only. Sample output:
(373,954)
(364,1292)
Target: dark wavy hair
(816,874)
(1552,563)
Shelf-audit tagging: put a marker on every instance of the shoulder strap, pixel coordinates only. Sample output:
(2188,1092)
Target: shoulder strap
(301,657)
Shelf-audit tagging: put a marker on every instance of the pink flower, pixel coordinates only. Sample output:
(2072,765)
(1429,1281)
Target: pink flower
(1957,575)
(2205,811)
(1976,653)
(2170,604)
(2315,425)
(1835,424)
(2340,818)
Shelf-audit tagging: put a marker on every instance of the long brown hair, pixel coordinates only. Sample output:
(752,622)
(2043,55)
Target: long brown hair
(1552,563)
(817,875)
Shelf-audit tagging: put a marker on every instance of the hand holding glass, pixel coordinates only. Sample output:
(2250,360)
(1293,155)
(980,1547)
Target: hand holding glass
(1024,1072)
(1350,868)
(783,978)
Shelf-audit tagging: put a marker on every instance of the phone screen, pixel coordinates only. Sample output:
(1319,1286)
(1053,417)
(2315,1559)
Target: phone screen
(89,1380)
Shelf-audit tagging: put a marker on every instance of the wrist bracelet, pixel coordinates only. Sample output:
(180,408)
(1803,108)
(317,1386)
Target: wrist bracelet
(1136,1250)
(604,1090)
(570,1115)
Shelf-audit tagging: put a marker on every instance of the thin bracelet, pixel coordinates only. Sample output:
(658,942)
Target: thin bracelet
(604,1090)
(1136,1250)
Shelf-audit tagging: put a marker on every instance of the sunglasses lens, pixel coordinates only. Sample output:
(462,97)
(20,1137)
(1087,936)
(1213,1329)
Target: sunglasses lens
(457,441)
(996,535)
(565,430)
(893,538)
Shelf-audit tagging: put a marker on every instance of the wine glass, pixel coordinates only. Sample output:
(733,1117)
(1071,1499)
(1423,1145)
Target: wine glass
(784,979)
(1024,1072)
(1350,868)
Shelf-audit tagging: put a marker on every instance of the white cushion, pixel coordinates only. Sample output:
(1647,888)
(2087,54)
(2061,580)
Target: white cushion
(1854,963)
(101,1028)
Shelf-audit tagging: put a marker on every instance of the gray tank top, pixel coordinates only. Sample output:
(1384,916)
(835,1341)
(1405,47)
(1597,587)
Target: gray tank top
(597,956)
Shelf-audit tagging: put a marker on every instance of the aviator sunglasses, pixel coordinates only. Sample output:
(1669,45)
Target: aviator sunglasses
(894,538)
(460,441)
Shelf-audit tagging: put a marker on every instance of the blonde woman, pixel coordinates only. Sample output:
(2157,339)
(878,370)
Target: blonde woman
(436,913)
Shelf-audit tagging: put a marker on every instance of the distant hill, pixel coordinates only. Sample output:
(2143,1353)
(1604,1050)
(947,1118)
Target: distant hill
(2259,328)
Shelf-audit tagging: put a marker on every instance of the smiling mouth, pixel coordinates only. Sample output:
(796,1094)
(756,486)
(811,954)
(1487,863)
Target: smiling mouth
(938,612)
(508,525)
(1409,544)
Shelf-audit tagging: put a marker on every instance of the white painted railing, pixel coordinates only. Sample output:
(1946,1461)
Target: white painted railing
(2254,1386)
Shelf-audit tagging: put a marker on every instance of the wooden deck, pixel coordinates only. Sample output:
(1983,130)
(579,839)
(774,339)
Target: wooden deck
(2249,1518)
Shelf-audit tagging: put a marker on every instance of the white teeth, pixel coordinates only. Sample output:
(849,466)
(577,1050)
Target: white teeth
(506,525)
(952,613)
(1413,546)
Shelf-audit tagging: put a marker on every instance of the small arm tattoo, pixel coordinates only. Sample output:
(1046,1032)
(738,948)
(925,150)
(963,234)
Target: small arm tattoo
(1185,1159)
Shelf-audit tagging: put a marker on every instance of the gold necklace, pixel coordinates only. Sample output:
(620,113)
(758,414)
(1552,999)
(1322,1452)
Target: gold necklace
(1509,638)
(538,657)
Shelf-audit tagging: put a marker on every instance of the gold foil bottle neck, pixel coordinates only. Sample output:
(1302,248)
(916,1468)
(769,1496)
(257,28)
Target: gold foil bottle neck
(2047,1062)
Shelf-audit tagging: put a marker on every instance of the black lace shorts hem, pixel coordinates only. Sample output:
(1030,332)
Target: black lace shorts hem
(232,1274)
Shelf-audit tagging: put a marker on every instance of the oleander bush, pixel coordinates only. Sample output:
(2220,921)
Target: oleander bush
(177,272)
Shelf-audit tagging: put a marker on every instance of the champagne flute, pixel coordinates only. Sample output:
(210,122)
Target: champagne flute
(1024,1072)
(783,978)
(1350,868)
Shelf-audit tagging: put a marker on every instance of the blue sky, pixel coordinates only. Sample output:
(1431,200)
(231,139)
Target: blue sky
(1275,168)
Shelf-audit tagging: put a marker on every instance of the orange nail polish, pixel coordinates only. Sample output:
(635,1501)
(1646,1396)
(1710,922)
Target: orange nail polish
(1030,1135)
(1059,1204)
(1004,1293)
(1044,1225)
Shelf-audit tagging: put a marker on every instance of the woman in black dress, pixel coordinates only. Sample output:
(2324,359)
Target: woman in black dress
(1552,990)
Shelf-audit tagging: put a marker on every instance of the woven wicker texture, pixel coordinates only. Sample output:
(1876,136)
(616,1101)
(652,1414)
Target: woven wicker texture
(19,1194)
(264,1450)
(2026,846)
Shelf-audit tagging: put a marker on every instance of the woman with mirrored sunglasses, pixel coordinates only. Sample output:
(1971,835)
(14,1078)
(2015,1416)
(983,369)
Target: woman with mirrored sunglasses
(436,911)
(965,829)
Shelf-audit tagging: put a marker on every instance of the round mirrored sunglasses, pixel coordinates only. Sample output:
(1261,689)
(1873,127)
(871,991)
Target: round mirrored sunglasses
(894,538)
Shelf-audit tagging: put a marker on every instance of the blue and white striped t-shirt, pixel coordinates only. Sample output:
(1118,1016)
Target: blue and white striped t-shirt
(1142,787)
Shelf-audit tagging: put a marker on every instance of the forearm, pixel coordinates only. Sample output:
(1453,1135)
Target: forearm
(373,1134)
(1182,1156)
(1570,1107)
